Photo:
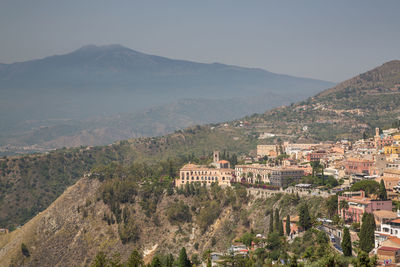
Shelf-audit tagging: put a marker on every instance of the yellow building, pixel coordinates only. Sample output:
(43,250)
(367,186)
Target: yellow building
(389,150)
(191,173)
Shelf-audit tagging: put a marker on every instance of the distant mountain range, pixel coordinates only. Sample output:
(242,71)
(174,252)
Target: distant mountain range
(99,94)
(30,183)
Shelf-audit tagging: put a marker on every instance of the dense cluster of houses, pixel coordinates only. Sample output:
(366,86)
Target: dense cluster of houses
(375,158)
(285,164)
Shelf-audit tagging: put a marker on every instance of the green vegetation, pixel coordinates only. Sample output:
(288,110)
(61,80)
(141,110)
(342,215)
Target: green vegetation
(276,223)
(128,232)
(331,204)
(368,186)
(29,184)
(287,226)
(135,259)
(183,260)
(363,260)
(328,181)
(346,242)
(367,232)
(178,213)
(25,250)
(208,214)
(305,219)
(382,194)
(271,222)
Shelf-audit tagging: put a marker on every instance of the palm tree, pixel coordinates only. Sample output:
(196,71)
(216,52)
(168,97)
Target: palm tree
(343,205)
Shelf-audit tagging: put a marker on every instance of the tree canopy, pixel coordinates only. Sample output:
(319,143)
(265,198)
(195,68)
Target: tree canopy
(368,186)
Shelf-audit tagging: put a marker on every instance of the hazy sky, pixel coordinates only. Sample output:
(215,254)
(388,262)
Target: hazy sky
(330,40)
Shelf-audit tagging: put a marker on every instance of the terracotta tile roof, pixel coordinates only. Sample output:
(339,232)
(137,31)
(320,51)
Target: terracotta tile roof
(394,239)
(396,221)
(223,161)
(385,214)
(388,248)
(360,160)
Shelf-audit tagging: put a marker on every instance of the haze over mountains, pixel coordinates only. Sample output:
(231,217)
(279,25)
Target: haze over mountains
(99,94)
(31,183)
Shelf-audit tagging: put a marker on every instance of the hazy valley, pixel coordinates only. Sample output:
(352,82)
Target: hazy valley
(99,94)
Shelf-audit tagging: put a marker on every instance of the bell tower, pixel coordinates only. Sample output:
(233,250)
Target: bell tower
(216,156)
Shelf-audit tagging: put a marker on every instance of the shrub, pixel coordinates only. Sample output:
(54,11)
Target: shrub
(208,214)
(25,250)
(128,232)
(179,213)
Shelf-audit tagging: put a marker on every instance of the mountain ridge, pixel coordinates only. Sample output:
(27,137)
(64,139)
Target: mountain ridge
(102,81)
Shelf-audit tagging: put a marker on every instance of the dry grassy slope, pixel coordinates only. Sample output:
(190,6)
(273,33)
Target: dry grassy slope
(61,236)
(384,76)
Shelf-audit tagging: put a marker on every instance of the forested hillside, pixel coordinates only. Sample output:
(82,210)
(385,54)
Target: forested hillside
(30,183)
(121,208)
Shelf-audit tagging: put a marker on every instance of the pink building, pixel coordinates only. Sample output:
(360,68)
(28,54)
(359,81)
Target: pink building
(358,166)
(358,204)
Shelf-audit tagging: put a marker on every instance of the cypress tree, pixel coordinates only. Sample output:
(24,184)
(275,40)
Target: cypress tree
(271,222)
(346,242)
(287,225)
(305,219)
(382,194)
(276,217)
(183,260)
(280,228)
(170,260)
(367,232)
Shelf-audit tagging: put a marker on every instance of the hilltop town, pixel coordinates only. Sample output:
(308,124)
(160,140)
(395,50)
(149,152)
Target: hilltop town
(363,177)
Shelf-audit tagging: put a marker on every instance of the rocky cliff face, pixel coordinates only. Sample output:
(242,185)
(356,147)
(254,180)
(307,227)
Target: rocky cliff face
(72,230)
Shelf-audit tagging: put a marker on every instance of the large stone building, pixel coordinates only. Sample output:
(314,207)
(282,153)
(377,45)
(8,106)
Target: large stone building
(283,177)
(219,172)
(252,173)
(261,173)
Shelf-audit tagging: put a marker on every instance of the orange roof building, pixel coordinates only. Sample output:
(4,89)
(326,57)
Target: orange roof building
(191,173)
